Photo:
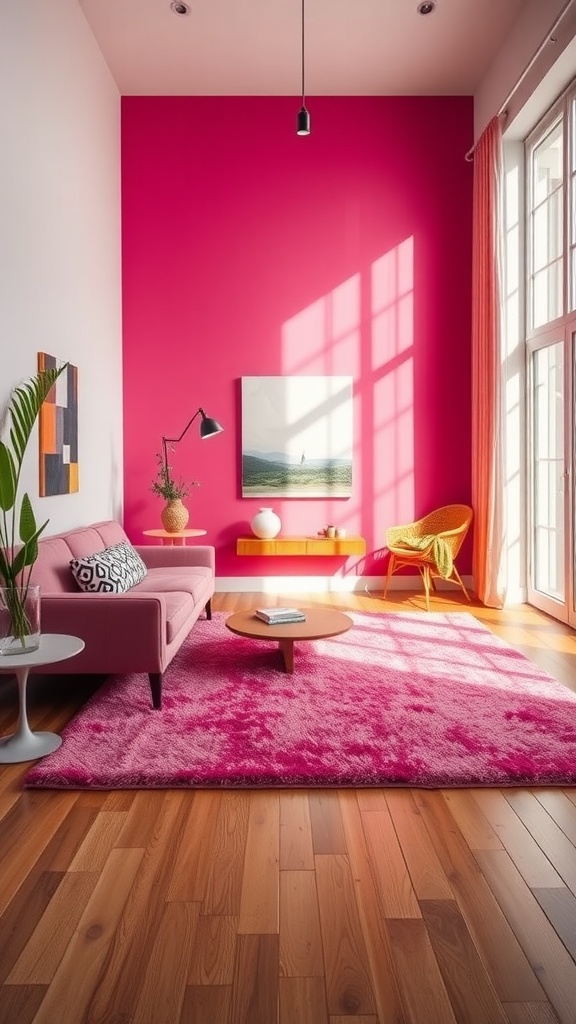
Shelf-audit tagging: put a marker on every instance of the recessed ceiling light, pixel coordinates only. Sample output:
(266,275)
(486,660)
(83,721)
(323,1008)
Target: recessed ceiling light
(179,8)
(426,7)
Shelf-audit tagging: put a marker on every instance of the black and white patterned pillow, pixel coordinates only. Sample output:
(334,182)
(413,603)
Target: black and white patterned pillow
(111,571)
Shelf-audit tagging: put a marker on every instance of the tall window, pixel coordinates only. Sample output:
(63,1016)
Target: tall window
(551,357)
(546,227)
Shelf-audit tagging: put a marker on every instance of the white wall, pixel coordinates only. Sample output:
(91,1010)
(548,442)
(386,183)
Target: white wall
(60,270)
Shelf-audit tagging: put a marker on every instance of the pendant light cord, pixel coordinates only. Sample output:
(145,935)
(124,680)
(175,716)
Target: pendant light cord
(303,119)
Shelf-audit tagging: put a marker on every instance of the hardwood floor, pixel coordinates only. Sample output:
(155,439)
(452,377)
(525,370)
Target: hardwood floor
(383,906)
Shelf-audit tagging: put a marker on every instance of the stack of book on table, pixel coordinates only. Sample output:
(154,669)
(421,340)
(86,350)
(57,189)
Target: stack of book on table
(276,616)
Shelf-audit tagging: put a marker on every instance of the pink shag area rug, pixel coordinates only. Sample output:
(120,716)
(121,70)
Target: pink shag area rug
(428,700)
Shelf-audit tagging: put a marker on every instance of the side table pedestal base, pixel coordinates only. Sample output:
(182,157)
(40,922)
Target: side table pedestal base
(17,748)
(24,744)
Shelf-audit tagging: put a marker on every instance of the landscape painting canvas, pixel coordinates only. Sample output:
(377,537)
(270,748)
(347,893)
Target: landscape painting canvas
(297,437)
(58,431)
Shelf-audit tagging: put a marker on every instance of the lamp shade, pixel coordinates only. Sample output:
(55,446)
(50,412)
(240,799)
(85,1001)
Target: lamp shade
(303,122)
(209,426)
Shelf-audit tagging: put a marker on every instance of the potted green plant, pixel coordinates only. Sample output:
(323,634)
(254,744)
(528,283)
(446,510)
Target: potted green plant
(174,515)
(19,532)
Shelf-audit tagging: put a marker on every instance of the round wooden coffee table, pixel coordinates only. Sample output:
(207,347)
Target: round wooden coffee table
(320,623)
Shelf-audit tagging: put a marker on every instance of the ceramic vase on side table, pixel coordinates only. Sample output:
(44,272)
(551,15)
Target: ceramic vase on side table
(174,516)
(266,524)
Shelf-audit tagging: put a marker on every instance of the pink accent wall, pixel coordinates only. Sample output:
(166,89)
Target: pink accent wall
(248,250)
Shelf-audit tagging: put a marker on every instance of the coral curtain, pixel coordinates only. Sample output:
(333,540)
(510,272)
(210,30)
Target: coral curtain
(488,562)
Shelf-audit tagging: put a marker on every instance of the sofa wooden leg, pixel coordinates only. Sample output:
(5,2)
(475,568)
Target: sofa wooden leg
(156,688)
(209,609)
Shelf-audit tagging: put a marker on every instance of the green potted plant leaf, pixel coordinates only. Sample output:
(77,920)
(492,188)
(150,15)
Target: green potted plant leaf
(19,532)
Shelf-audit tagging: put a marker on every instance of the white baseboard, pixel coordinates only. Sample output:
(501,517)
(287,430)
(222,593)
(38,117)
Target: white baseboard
(324,584)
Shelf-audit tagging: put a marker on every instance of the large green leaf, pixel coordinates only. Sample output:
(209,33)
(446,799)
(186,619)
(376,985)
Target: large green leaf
(4,566)
(18,563)
(7,479)
(22,419)
(25,406)
(29,532)
(27,525)
(27,554)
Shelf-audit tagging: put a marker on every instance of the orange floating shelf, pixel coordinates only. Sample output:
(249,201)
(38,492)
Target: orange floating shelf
(301,546)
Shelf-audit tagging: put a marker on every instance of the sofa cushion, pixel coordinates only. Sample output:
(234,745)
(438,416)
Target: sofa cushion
(197,581)
(179,608)
(87,540)
(51,569)
(112,571)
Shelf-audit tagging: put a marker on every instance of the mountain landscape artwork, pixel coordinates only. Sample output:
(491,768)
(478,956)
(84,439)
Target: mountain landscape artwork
(297,437)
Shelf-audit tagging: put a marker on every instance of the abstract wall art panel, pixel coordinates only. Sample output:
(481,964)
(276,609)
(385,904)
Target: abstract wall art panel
(297,437)
(58,431)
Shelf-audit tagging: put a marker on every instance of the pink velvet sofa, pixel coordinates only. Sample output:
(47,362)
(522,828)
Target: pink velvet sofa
(136,631)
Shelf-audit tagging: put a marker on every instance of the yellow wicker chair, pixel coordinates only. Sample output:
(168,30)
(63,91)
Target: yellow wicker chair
(441,532)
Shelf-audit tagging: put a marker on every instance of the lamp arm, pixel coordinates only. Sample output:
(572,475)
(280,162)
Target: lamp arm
(174,440)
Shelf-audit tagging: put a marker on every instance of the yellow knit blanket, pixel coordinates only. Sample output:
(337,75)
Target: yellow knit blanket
(441,553)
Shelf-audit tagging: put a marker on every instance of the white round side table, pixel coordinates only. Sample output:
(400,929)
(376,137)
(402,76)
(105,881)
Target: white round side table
(25,745)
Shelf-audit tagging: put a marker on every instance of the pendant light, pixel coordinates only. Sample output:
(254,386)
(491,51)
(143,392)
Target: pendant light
(303,126)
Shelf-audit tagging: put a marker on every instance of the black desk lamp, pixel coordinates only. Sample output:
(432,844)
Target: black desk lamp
(208,427)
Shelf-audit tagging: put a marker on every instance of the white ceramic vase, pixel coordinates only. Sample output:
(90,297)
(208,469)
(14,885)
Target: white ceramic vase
(265,524)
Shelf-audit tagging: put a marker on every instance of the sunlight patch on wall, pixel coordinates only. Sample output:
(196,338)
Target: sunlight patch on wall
(343,326)
(392,287)
(394,443)
(324,339)
(365,327)
(392,341)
